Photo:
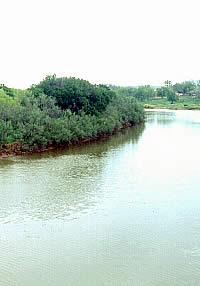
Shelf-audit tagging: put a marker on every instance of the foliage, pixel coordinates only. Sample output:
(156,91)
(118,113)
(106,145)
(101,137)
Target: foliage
(144,93)
(184,102)
(141,93)
(197,91)
(171,96)
(162,91)
(7,90)
(7,100)
(75,94)
(125,91)
(167,92)
(186,87)
(36,122)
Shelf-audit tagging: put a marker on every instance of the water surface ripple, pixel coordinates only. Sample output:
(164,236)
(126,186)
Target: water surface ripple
(120,212)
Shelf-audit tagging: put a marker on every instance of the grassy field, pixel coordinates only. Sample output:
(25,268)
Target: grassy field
(184,102)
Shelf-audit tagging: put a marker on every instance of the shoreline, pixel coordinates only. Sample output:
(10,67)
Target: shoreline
(171,108)
(14,149)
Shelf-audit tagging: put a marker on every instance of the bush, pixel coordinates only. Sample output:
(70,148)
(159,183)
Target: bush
(75,94)
(35,122)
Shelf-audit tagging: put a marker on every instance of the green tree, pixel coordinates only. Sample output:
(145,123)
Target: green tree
(197,89)
(29,122)
(126,91)
(171,96)
(143,93)
(186,87)
(162,91)
(75,94)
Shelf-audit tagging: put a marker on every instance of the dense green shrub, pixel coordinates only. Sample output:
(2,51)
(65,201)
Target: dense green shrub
(7,90)
(75,94)
(37,121)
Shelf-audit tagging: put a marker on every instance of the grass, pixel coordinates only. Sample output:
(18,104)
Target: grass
(184,102)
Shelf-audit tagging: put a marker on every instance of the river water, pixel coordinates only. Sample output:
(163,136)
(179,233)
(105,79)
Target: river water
(118,212)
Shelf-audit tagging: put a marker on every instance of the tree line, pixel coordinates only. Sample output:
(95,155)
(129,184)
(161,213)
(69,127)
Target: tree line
(62,111)
(168,90)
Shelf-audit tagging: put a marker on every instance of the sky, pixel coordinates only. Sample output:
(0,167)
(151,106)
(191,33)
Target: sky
(122,42)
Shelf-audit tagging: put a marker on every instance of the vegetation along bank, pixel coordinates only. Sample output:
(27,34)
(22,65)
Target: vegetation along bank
(184,95)
(61,111)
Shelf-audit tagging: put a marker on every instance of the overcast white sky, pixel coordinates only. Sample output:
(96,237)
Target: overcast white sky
(106,41)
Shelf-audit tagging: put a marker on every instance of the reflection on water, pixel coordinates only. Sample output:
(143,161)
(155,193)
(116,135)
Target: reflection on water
(57,183)
(163,117)
(122,211)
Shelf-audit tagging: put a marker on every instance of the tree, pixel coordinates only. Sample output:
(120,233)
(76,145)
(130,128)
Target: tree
(162,91)
(75,94)
(186,87)
(126,91)
(171,96)
(143,93)
(197,89)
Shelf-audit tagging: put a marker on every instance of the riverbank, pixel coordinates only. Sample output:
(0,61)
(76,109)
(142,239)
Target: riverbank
(183,103)
(16,148)
(173,107)
(61,112)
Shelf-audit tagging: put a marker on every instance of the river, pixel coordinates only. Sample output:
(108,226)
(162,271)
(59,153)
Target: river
(122,211)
